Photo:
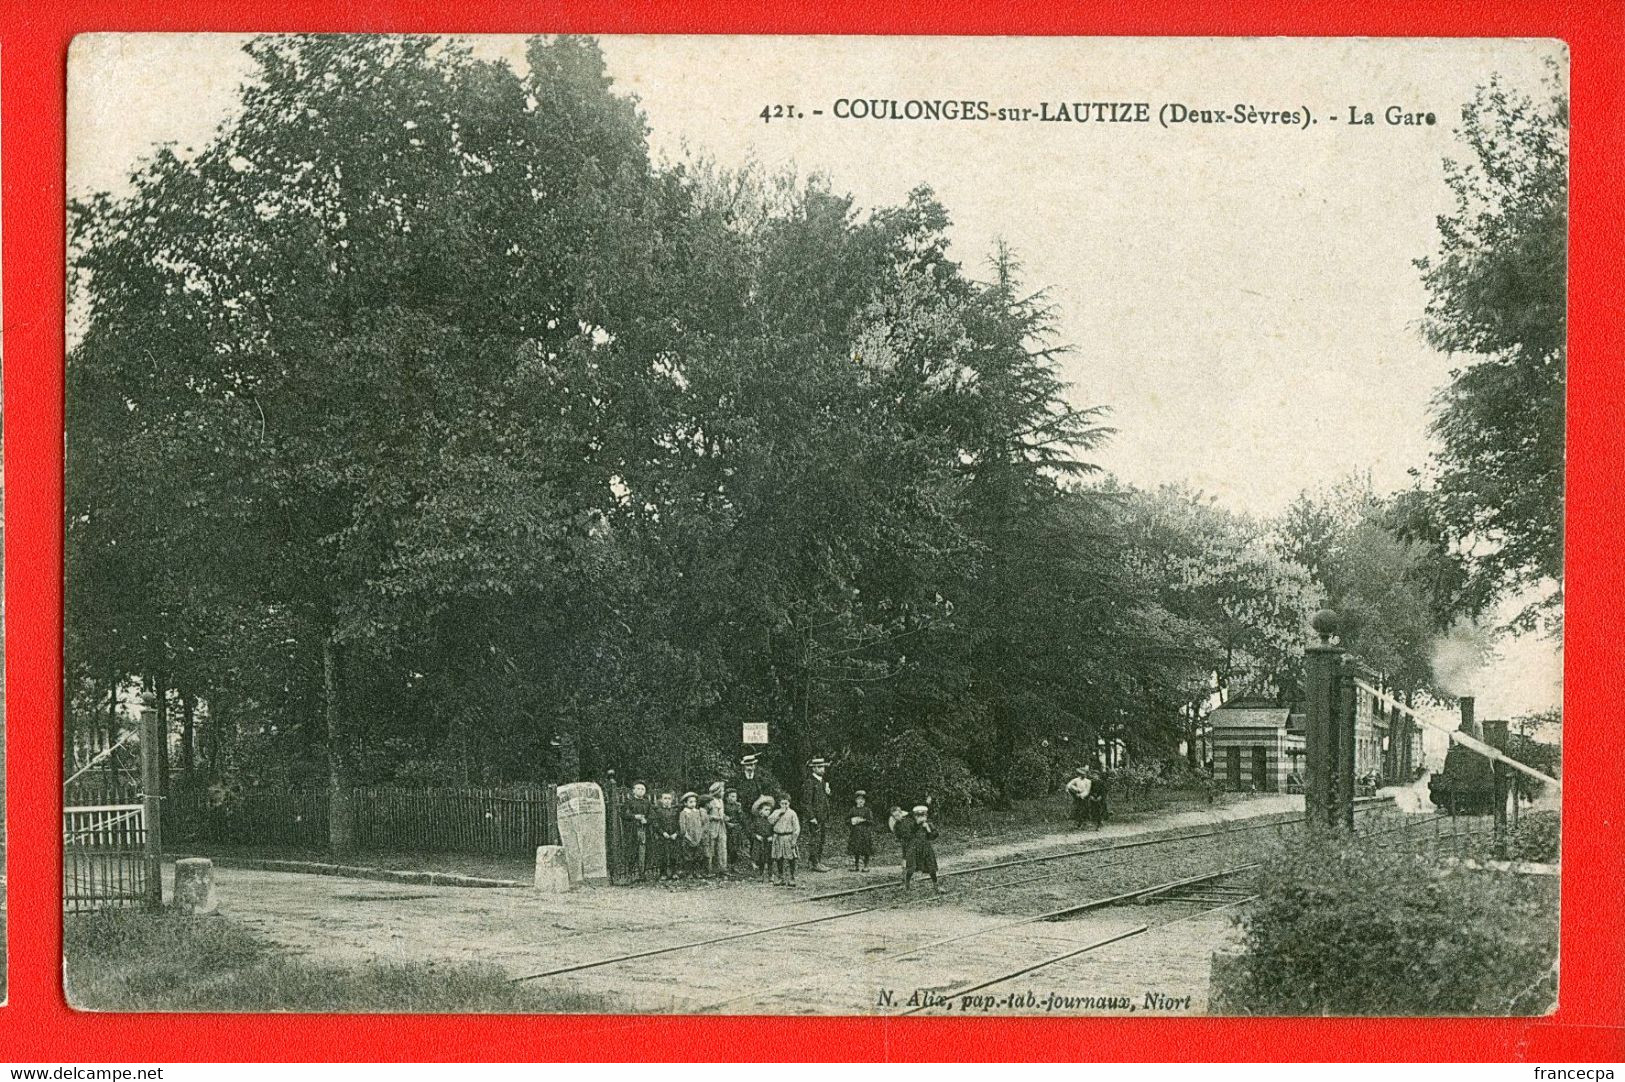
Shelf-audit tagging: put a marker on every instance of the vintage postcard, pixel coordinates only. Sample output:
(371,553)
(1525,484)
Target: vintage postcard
(814,525)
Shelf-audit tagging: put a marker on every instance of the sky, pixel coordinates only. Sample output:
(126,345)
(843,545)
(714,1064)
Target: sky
(1243,298)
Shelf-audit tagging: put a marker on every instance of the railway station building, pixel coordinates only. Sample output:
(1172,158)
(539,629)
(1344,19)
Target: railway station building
(1258,743)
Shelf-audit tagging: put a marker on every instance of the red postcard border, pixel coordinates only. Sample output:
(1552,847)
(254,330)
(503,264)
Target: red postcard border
(38,1026)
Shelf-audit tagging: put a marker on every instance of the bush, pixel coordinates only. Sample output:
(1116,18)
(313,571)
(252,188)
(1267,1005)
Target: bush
(1536,839)
(1030,773)
(1132,784)
(908,768)
(1344,928)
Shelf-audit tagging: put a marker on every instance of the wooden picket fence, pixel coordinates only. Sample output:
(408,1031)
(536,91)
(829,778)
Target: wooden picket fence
(506,821)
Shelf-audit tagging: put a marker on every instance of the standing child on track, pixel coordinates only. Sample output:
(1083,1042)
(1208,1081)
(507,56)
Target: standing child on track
(901,826)
(921,850)
(860,831)
(786,834)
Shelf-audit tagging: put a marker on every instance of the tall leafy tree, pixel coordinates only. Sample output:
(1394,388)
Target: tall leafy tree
(1497,294)
(362,335)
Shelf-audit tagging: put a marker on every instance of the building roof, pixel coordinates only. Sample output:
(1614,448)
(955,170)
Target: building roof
(1251,702)
(1234,717)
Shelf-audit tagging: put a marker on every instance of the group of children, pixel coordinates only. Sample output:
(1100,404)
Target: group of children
(697,836)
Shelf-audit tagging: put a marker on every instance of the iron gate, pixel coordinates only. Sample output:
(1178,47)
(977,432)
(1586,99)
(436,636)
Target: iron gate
(104,855)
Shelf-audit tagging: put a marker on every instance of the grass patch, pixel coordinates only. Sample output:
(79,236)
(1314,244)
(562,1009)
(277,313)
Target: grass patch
(129,960)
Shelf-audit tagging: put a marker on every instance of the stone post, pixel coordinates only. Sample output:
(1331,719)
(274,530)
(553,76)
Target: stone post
(552,870)
(194,886)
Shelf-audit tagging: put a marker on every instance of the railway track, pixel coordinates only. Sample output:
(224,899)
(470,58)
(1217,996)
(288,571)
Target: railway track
(1208,892)
(1117,897)
(1182,891)
(1063,913)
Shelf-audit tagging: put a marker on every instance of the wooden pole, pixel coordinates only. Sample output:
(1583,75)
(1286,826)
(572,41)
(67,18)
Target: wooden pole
(152,734)
(340,816)
(1495,735)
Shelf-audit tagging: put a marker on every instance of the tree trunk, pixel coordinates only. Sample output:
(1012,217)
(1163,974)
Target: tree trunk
(160,707)
(340,809)
(188,734)
(217,730)
(109,766)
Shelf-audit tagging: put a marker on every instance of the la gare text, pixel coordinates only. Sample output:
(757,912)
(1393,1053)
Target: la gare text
(1169,114)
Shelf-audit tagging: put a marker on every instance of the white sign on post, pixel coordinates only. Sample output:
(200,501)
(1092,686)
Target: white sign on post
(755,732)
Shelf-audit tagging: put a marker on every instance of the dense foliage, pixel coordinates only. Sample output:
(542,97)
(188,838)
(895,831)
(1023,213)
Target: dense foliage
(1342,927)
(423,428)
(1498,295)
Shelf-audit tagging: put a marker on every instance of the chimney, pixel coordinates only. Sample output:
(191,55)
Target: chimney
(1468,726)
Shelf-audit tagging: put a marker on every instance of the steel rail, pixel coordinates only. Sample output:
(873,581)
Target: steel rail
(1090,851)
(1236,896)
(684,946)
(1050,915)
(1147,894)
(1040,964)
(1086,948)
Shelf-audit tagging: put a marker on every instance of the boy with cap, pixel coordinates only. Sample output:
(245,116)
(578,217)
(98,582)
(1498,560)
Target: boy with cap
(691,821)
(786,835)
(738,849)
(715,842)
(761,834)
(860,831)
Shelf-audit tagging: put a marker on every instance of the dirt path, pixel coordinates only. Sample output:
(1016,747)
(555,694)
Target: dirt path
(849,965)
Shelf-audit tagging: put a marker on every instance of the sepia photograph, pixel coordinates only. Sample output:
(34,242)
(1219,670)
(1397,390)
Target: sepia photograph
(886,526)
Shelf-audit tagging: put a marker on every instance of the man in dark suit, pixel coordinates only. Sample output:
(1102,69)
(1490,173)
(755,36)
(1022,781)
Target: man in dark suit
(751,782)
(815,812)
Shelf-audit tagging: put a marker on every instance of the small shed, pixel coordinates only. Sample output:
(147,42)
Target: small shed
(1257,744)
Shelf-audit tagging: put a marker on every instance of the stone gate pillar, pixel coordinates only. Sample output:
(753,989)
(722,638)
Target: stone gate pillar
(1346,719)
(1322,662)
